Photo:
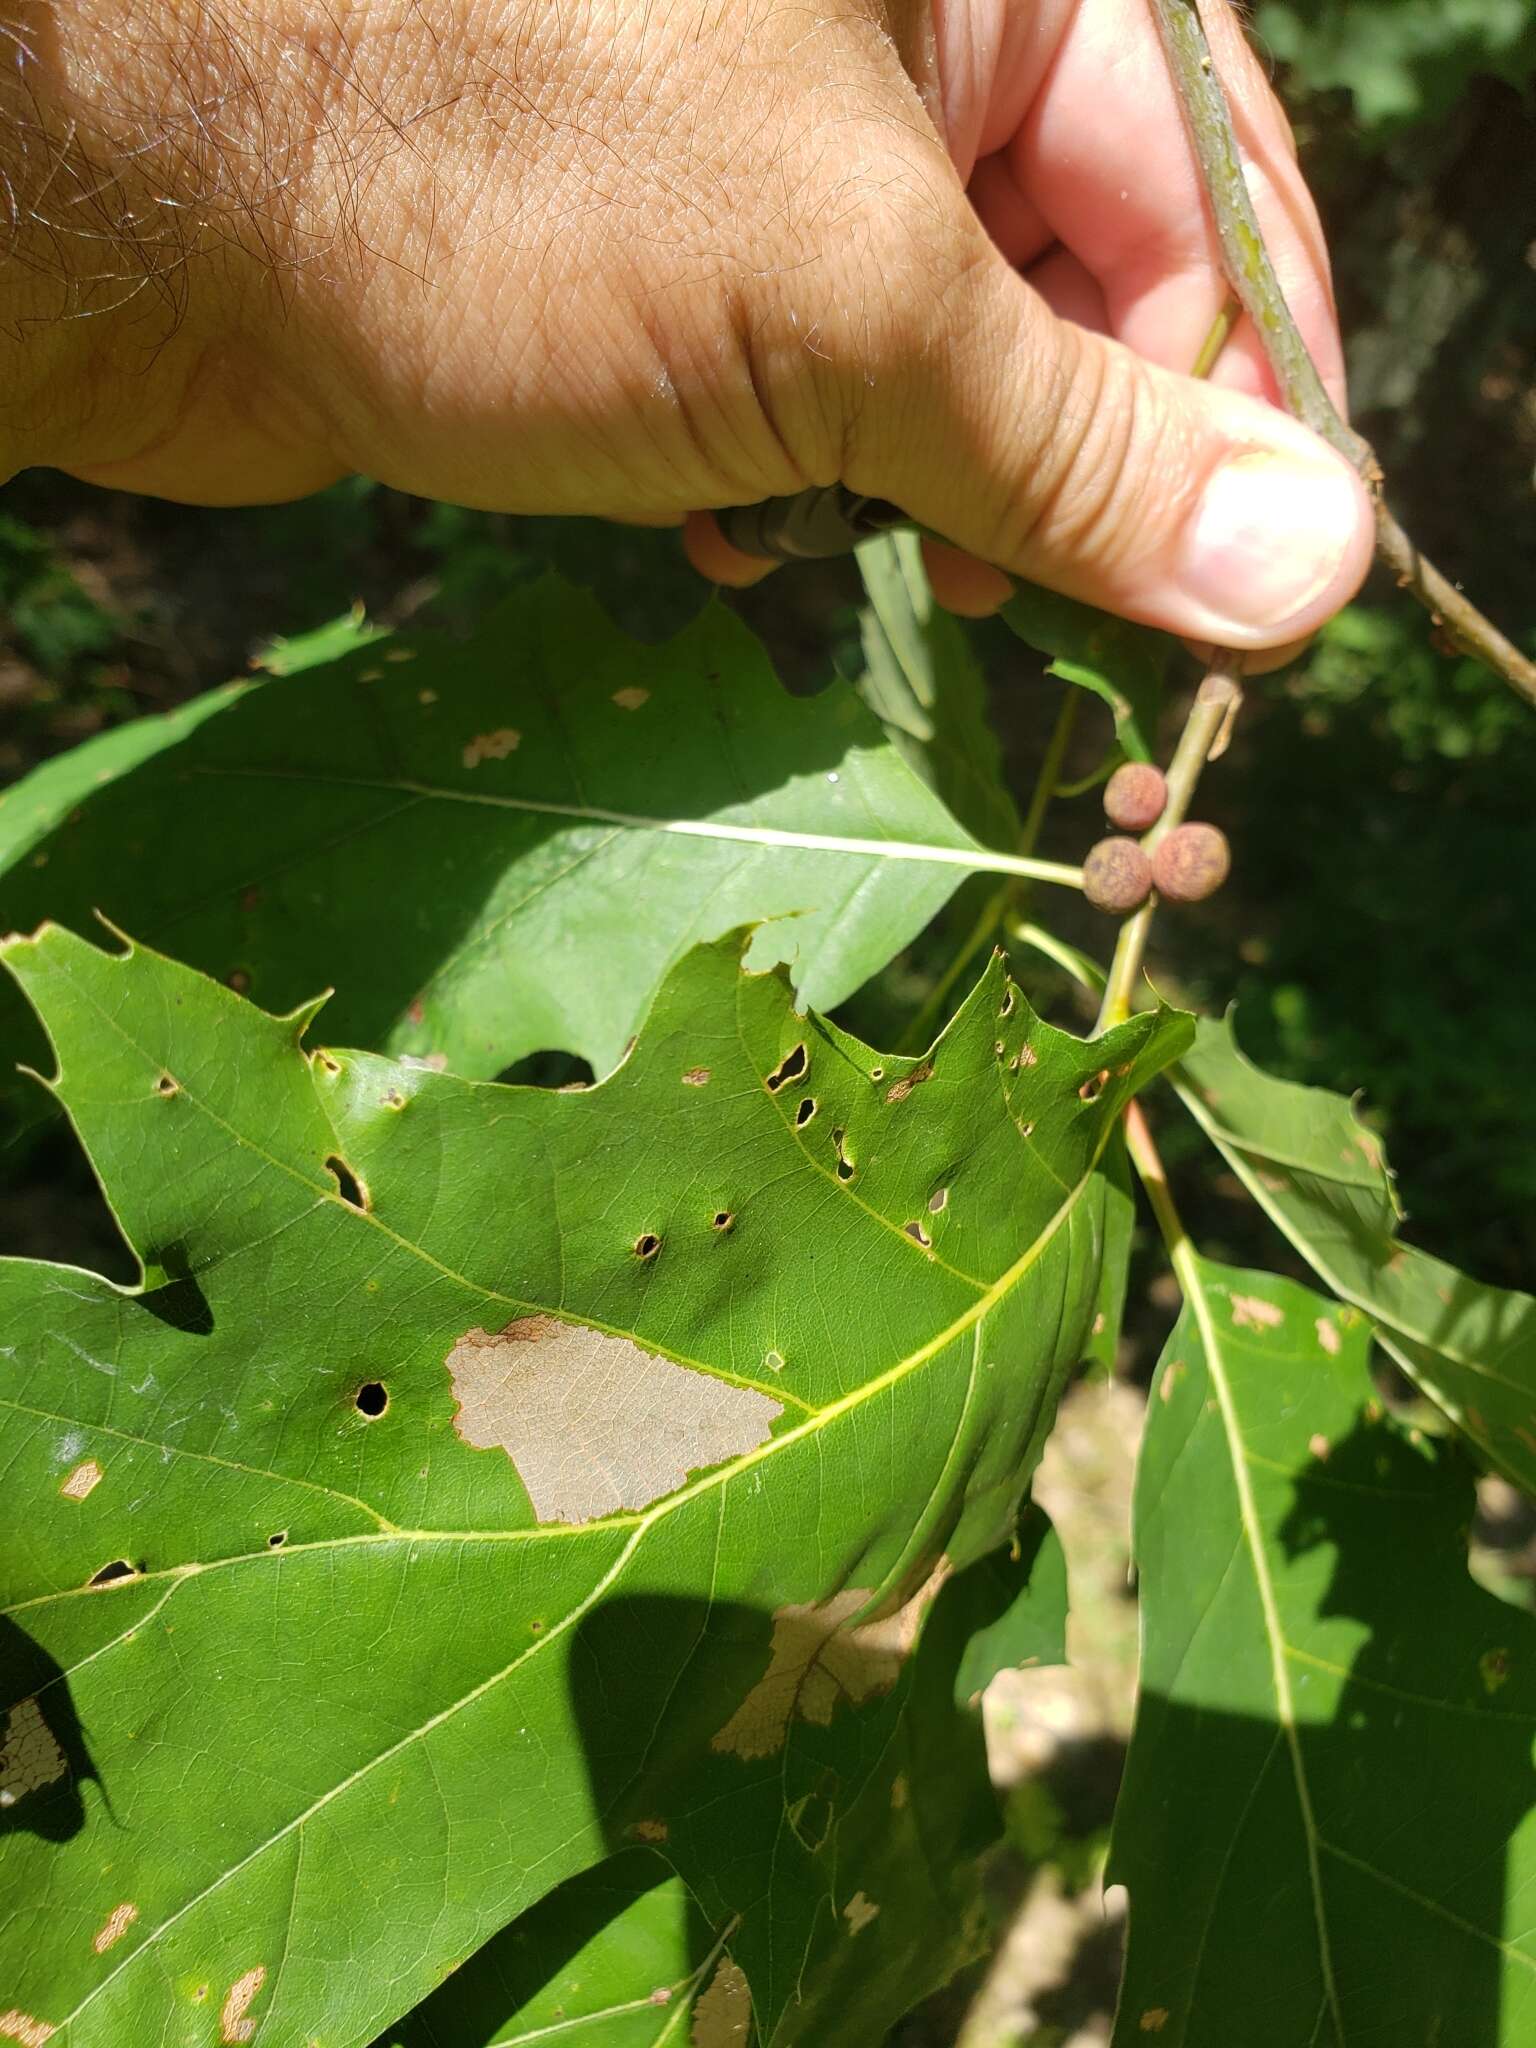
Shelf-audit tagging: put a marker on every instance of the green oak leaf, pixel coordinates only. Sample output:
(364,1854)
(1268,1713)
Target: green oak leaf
(487,1479)
(496,847)
(1122,663)
(1326,1827)
(1403,61)
(923,681)
(616,1957)
(1323,1178)
(624,1954)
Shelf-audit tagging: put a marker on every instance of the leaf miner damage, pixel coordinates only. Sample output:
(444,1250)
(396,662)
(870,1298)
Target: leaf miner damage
(816,1661)
(594,1423)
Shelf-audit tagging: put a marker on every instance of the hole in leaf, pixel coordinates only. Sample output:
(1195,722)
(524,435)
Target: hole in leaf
(348,1186)
(877,1073)
(918,1235)
(805,1112)
(722,1220)
(371,1399)
(1008,1000)
(999,1048)
(167,1085)
(277,1539)
(1094,1086)
(647,1245)
(790,1068)
(119,1568)
(548,1070)
(845,1167)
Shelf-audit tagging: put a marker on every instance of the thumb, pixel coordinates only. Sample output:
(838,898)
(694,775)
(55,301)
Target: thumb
(1062,457)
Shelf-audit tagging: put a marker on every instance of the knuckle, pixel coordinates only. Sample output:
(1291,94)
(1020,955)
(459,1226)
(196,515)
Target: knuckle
(1103,455)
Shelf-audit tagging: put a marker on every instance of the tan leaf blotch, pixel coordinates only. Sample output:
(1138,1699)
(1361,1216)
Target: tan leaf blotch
(1252,1312)
(20,2026)
(492,746)
(593,1423)
(234,2027)
(858,1912)
(84,1479)
(722,2018)
(118,1922)
(30,1758)
(815,1662)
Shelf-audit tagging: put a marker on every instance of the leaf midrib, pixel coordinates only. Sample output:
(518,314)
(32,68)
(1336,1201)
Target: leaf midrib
(974,858)
(1192,1277)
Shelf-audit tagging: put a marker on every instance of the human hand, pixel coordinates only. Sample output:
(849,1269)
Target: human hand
(641,259)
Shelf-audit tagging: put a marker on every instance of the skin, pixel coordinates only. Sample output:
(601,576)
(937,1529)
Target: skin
(644,258)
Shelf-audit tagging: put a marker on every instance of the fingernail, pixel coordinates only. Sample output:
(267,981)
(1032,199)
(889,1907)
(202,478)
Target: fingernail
(1268,537)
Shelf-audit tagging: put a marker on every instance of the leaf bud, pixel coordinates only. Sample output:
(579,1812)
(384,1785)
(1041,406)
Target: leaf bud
(1191,863)
(1117,876)
(1135,796)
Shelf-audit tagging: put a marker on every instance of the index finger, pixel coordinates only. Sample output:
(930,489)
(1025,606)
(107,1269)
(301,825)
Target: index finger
(1102,153)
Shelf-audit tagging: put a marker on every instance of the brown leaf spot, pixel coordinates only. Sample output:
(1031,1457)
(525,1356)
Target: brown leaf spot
(858,1912)
(593,1423)
(1328,1335)
(901,1792)
(1252,1312)
(900,1090)
(20,2026)
(722,2017)
(697,1077)
(492,746)
(631,697)
(117,1924)
(1028,1057)
(662,1995)
(1319,1447)
(1154,2019)
(30,1758)
(400,654)
(938,1201)
(233,2024)
(85,1478)
(1173,1372)
(815,1661)
(650,1830)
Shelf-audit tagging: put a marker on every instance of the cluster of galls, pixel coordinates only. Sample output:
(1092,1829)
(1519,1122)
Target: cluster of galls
(1187,864)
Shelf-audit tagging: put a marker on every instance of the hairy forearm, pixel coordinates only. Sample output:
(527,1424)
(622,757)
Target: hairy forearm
(174,176)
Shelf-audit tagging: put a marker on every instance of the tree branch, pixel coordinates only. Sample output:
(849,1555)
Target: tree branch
(1252,277)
